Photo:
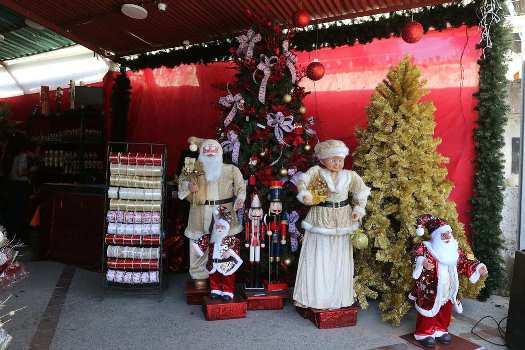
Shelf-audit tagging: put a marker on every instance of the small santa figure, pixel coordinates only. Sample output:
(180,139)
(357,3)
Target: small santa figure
(223,256)
(438,263)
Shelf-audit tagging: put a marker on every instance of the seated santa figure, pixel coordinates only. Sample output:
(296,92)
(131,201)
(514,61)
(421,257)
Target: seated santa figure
(223,256)
(438,263)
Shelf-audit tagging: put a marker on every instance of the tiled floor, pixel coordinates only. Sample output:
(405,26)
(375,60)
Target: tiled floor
(68,310)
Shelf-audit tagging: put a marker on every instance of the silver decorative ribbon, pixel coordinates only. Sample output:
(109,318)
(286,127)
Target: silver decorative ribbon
(293,217)
(232,145)
(265,65)
(247,42)
(296,177)
(240,216)
(290,60)
(280,124)
(310,122)
(235,102)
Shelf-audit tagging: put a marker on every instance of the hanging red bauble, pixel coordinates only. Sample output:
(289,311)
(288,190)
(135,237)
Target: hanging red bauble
(412,32)
(315,71)
(301,18)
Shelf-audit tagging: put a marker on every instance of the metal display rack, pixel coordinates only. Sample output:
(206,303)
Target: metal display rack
(127,150)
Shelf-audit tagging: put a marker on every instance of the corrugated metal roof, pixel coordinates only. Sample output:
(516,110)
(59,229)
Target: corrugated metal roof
(99,24)
(21,40)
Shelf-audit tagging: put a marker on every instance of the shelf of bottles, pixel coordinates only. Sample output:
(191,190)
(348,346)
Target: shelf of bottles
(72,146)
(134,218)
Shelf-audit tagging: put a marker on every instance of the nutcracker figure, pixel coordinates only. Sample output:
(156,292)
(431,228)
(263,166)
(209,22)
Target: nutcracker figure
(223,256)
(276,223)
(254,232)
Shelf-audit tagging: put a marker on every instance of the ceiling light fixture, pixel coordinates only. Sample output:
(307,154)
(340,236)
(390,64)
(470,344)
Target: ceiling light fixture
(134,11)
(33,25)
(162,6)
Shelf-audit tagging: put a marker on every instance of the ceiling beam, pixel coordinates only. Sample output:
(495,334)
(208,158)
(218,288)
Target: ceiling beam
(27,13)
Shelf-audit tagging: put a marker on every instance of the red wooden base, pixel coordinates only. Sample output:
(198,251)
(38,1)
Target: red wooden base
(325,319)
(218,309)
(264,302)
(458,343)
(193,295)
(271,287)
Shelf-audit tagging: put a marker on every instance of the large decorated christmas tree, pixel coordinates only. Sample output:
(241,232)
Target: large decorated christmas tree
(265,129)
(398,158)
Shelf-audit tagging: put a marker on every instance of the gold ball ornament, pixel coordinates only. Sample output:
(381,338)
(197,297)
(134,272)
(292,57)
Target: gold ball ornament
(307,147)
(360,241)
(287,98)
(302,109)
(194,147)
(283,172)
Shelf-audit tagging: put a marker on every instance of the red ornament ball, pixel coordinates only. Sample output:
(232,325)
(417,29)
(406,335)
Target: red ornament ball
(301,18)
(315,71)
(412,32)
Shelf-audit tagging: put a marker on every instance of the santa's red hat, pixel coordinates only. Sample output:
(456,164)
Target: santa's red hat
(432,224)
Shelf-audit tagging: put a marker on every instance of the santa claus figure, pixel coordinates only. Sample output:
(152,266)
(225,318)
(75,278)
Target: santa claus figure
(209,185)
(223,256)
(438,263)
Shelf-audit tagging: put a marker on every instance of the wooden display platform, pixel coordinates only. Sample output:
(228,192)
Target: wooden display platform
(326,319)
(257,301)
(458,343)
(195,296)
(218,309)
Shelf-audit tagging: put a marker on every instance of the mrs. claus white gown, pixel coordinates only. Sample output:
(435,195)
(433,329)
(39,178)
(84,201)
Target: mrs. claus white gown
(326,266)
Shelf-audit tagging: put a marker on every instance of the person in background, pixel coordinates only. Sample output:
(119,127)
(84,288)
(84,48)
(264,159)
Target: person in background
(16,168)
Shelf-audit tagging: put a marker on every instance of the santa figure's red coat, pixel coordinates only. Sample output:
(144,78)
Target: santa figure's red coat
(430,291)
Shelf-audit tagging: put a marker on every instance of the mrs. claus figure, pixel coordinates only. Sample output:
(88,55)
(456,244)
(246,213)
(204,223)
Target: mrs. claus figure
(438,263)
(219,185)
(326,266)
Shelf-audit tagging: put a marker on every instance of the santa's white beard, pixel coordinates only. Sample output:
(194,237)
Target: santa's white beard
(212,167)
(217,236)
(445,253)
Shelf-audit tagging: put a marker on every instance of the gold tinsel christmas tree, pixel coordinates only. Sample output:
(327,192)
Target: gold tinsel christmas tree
(398,159)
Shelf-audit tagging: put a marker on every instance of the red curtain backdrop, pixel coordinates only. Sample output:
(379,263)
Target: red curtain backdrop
(169,105)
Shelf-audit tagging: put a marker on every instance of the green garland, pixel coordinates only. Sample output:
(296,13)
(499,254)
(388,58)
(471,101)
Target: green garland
(333,35)
(487,201)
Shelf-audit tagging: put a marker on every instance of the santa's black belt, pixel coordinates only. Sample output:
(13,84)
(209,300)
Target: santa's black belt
(334,204)
(219,202)
(218,261)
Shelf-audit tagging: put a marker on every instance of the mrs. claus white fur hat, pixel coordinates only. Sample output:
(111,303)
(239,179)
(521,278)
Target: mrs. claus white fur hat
(331,148)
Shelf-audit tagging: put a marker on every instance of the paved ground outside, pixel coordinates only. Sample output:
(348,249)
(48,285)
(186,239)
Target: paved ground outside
(67,309)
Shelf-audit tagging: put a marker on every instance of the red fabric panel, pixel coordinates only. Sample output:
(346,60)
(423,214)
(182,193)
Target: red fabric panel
(169,105)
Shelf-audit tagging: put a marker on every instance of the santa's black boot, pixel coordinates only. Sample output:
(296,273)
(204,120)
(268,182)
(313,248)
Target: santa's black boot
(428,342)
(445,339)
